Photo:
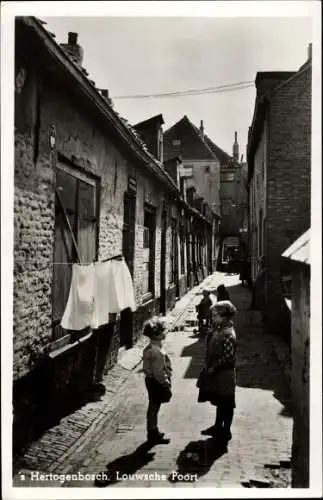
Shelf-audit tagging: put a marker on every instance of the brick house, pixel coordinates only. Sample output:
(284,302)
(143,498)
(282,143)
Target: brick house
(298,299)
(201,169)
(184,139)
(196,231)
(87,188)
(279,177)
(191,226)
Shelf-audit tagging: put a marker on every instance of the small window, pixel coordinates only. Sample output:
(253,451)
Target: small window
(146,237)
(173,252)
(177,142)
(148,274)
(227,177)
(207,169)
(188,171)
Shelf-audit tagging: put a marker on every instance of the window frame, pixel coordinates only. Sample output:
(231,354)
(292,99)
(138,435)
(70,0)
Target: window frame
(150,212)
(93,181)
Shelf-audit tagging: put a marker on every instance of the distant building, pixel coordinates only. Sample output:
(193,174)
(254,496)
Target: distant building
(233,199)
(297,296)
(201,170)
(279,178)
(201,164)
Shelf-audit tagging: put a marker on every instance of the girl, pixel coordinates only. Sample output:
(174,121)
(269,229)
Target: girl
(217,380)
(222,293)
(158,371)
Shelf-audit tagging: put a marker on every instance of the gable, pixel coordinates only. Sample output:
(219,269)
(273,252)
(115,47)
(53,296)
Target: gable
(188,144)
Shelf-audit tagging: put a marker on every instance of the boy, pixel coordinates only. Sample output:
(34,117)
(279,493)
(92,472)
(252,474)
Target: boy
(158,371)
(203,311)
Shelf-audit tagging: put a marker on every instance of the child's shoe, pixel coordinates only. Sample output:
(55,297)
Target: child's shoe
(225,437)
(156,437)
(214,431)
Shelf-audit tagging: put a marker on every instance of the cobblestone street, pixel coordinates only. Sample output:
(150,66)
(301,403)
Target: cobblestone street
(109,434)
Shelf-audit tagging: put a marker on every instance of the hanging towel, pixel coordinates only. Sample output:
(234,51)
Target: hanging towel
(105,301)
(79,308)
(124,286)
(113,291)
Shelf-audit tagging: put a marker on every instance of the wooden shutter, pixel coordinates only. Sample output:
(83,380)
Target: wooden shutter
(87,222)
(63,247)
(79,201)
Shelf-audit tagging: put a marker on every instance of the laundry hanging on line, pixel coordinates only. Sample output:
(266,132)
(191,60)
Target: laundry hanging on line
(79,308)
(113,290)
(96,291)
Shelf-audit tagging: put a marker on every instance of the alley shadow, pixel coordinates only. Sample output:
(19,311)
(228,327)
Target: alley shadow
(257,364)
(195,351)
(126,464)
(196,460)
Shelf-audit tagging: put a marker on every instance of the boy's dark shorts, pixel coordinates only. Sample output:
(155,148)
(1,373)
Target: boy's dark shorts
(157,392)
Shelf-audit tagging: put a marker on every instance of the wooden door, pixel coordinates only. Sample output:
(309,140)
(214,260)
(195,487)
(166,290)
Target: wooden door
(128,250)
(163,264)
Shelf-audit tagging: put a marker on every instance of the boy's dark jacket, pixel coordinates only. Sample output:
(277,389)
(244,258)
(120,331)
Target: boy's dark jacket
(203,307)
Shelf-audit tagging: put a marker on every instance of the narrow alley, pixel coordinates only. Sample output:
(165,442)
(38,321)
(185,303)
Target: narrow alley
(258,455)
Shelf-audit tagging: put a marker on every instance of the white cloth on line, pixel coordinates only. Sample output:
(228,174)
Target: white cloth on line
(79,308)
(113,290)
(96,291)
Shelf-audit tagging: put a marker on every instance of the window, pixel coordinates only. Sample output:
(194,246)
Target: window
(260,243)
(149,251)
(182,248)
(227,176)
(146,237)
(182,185)
(76,218)
(176,142)
(173,252)
(207,169)
(160,145)
(187,171)
(128,233)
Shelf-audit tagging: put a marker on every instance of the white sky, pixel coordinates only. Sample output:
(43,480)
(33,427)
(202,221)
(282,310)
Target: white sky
(140,55)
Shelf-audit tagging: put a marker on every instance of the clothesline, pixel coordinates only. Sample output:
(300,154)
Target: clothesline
(118,257)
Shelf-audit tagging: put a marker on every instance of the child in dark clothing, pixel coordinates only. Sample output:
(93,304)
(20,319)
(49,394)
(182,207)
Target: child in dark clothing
(158,371)
(222,293)
(203,311)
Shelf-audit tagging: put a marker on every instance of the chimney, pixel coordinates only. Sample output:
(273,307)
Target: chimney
(105,93)
(72,38)
(202,130)
(73,49)
(235,148)
(309,51)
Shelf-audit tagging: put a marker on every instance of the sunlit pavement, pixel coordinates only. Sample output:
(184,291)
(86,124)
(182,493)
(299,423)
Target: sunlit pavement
(262,426)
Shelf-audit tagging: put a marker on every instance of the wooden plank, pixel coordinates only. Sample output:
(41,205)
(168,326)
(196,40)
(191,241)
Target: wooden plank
(68,225)
(86,228)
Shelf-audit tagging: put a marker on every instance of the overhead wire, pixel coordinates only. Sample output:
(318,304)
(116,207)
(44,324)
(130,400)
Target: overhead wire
(208,90)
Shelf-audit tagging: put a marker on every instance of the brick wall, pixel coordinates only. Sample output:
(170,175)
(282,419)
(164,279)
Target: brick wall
(289,179)
(258,203)
(84,146)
